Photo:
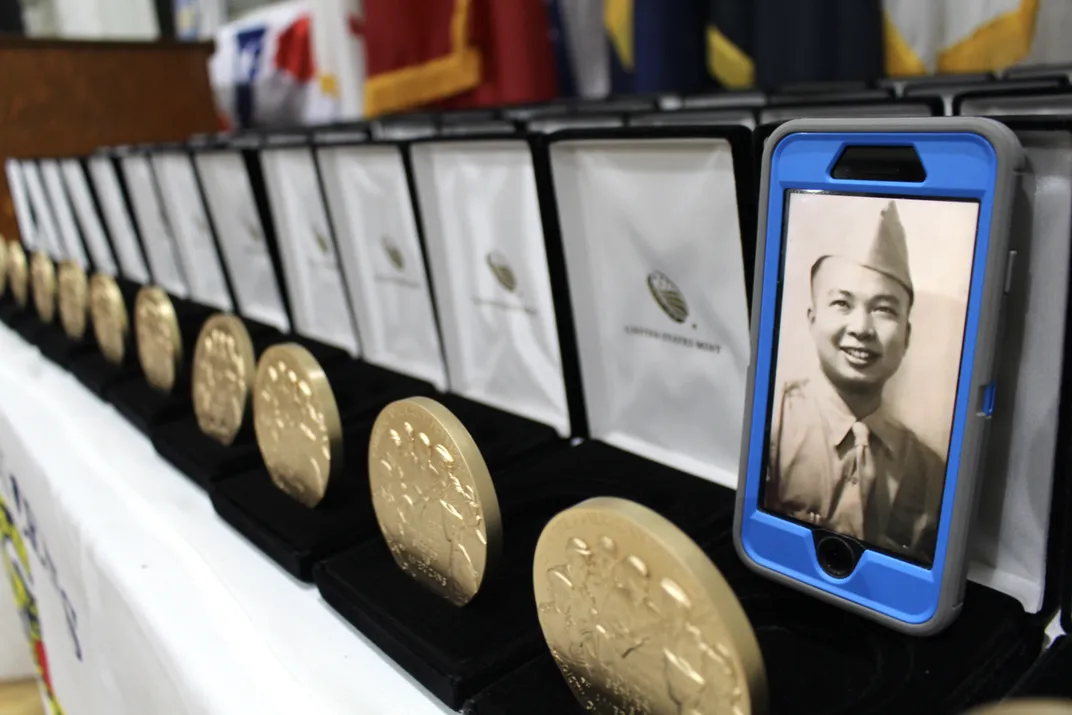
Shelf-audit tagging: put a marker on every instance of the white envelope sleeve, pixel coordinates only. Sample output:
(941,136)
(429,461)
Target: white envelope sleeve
(489,270)
(16,183)
(656,273)
(193,235)
(92,230)
(153,226)
(1009,536)
(369,201)
(61,207)
(48,236)
(317,296)
(230,199)
(117,218)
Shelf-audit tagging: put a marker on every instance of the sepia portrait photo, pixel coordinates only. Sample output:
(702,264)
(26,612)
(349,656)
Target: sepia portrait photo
(871,326)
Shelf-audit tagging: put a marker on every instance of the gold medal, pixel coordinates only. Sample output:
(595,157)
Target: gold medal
(74,299)
(434,499)
(297,423)
(639,619)
(43,277)
(111,324)
(156,328)
(1026,706)
(3,265)
(223,370)
(18,275)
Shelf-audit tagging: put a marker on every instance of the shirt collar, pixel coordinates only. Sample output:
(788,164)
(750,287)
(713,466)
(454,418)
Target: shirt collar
(841,419)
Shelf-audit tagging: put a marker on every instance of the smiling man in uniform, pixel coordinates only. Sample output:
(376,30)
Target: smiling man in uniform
(838,459)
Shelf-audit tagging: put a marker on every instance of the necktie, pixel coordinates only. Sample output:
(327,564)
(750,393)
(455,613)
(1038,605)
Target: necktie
(850,500)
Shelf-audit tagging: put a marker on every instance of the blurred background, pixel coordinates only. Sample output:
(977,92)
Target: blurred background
(315,61)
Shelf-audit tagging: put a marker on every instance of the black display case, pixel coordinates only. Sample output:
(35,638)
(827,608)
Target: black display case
(145,406)
(1051,99)
(100,220)
(52,340)
(453,652)
(293,535)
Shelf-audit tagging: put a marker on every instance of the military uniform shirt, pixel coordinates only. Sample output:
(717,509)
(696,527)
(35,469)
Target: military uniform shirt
(813,473)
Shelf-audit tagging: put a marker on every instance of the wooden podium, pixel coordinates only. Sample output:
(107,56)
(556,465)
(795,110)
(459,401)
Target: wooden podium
(66,98)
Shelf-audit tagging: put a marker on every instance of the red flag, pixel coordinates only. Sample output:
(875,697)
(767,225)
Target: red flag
(518,58)
(294,52)
(456,53)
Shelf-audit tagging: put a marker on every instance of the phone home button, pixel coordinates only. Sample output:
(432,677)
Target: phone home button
(836,556)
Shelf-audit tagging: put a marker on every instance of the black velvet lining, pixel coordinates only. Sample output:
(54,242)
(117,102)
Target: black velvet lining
(27,325)
(201,458)
(143,405)
(60,349)
(455,652)
(361,390)
(98,375)
(821,660)
(291,534)
(9,310)
(1051,677)
(503,438)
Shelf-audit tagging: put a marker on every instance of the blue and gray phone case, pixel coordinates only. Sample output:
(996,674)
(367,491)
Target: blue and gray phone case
(964,158)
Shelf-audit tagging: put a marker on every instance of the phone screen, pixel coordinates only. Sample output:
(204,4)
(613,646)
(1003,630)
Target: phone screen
(871,318)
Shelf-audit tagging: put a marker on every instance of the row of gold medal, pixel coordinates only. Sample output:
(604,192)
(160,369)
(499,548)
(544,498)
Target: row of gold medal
(636,616)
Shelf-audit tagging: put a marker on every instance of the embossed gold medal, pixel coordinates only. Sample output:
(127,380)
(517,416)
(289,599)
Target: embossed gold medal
(3,265)
(434,499)
(1027,706)
(156,328)
(638,618)
(297,423)
(74,299)
(223,371)
(18,275)
(108,311)
(43,278)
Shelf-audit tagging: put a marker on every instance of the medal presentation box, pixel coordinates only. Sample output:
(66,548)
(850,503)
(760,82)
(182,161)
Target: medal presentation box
(1050,676)
(284,182)
(245,254)
(820,659)
(949,92)
(454,652)
(179,247)
(69,337)
(385,258)
(102,206)
(834,106)
(144,405)
(142,238)
(742,116)
(197,247)
(43,251)
(95,371)
(1015,102)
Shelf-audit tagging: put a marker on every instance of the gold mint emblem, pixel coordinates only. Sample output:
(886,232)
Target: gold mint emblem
(503,273)
(668,296)
(394,253)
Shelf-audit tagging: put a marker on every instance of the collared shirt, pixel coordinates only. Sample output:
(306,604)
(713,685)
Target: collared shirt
(813,460)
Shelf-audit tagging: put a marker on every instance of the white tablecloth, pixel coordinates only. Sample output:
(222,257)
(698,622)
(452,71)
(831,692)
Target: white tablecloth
(147,602)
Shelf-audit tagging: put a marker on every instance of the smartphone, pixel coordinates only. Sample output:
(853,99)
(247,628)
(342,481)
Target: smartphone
(882,261)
